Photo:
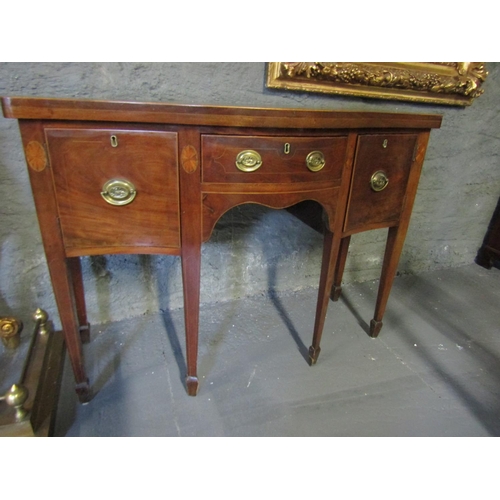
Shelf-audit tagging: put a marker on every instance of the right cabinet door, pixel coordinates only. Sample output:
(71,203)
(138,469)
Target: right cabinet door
(380,176)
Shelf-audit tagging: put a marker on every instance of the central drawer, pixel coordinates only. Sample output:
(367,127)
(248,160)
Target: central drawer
(257,159)
(115,188)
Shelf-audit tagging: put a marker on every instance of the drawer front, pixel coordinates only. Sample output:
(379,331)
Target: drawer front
(116,187)
(387,159)
(248,159)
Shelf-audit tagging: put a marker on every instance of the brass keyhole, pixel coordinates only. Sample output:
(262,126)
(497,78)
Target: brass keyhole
(286,148)
(114,141)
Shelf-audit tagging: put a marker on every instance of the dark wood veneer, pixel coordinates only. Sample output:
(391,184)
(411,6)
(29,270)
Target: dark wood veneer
(181,159)
(227,116)
(83,159)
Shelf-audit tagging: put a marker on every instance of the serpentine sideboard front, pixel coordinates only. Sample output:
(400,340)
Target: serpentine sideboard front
(153,178)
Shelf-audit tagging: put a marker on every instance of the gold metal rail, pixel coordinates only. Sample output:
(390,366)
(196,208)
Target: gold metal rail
(18,393)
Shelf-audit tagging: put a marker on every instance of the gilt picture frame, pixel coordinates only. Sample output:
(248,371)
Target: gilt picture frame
(449,83)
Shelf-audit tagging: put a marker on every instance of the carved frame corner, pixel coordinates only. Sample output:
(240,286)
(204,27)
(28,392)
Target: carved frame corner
(448,83)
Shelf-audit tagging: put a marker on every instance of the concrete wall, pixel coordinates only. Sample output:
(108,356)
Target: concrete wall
(253,249)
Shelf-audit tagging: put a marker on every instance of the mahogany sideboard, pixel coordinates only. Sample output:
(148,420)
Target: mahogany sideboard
(153,178)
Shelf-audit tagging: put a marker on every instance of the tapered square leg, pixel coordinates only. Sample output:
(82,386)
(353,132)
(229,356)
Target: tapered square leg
(375,327)
(75,268)
(339,269)
(60,267)
(192,385)
(83,392)
(395,240)
(331,245)
(313,354)
(191,230)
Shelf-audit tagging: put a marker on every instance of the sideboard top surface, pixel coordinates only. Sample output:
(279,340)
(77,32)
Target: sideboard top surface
(38,108)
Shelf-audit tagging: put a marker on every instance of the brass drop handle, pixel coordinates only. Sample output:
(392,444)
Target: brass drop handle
(248,160)
(118,192)
(379,181)
(315,161)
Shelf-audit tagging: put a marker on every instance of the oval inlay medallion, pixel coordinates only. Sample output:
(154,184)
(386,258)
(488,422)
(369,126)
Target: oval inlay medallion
(35,156)
(189,159)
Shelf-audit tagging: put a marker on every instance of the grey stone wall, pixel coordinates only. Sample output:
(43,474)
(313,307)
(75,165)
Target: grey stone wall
(253,249)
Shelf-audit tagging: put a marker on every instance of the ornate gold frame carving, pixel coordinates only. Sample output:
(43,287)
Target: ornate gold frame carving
(455,83)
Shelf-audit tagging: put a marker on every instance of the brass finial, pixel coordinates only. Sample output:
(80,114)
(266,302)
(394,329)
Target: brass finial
(16,396)
(10,331)
(43,317)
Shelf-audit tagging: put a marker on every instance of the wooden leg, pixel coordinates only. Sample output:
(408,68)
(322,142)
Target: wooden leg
(394,245)
(486,258)
(59,267)
(64,293)
(191,230)
(339,269)
(191,264)
(75,268)
(331,247)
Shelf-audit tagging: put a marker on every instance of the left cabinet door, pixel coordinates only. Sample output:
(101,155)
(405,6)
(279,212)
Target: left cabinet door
(117,190)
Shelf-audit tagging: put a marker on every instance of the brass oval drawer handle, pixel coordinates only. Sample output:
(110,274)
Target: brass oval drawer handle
(315,161)
(118,192)
(248,161)
(379,181)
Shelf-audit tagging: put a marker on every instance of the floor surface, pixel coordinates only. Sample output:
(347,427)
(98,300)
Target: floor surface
(434,370)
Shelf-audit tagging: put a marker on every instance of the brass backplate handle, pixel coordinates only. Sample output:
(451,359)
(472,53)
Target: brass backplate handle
(315,161)
(248,160)
(118,192)
(379,181)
